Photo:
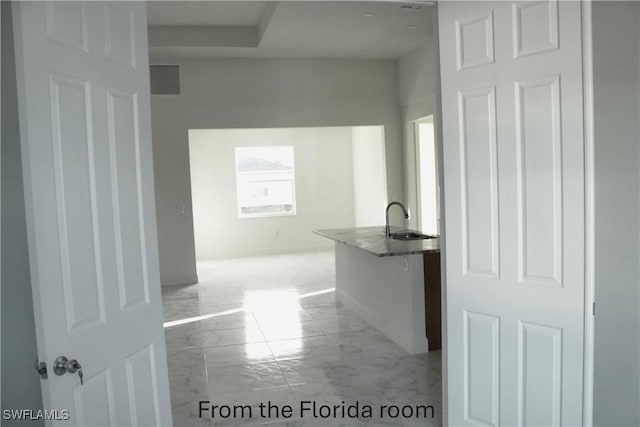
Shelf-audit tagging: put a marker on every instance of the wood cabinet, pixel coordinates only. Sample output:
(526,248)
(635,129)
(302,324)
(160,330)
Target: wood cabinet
(432,300)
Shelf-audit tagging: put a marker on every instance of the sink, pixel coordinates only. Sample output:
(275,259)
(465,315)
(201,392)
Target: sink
(410,235)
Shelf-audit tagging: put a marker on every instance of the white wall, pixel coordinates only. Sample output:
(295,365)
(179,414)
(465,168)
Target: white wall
(369,177)
(260,93)
(20,383)
(324,191)
(417,85)
(616,67)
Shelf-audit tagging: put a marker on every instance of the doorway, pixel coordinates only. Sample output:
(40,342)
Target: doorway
(428,186)
(263,191)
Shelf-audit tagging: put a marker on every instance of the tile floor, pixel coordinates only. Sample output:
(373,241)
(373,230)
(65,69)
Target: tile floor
(268,329)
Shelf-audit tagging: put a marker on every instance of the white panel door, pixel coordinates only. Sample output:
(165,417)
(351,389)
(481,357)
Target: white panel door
(514,204)
(85,123)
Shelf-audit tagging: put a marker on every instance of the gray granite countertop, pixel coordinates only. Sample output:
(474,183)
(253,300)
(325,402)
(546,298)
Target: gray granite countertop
(372,240)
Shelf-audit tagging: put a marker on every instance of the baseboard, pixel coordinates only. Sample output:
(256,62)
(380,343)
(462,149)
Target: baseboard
(188,279)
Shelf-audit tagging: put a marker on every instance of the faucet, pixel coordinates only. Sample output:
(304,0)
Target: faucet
(387,229)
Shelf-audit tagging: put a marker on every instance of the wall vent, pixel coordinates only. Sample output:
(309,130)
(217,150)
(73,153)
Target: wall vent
(165,79)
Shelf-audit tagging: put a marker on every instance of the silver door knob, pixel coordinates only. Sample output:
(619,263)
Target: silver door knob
(41,368)
(62,365)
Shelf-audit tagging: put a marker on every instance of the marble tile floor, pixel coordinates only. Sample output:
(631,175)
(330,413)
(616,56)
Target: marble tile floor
(268,329)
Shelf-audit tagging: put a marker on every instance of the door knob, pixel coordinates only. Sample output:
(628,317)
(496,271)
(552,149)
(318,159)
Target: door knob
(41,368)
(62,365)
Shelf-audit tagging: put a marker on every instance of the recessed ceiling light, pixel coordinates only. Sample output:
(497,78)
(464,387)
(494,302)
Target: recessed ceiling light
(410,6)
(412,27)
(369,14)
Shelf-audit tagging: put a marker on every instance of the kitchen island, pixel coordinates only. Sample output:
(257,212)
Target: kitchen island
(383,280)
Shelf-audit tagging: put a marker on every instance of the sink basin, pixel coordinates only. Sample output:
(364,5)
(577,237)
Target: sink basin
(410,235)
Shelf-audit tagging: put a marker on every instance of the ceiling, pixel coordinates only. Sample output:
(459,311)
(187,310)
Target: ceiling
(288,29)
(205,12)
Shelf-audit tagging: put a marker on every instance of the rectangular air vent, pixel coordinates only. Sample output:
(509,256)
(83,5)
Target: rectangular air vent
(165,79)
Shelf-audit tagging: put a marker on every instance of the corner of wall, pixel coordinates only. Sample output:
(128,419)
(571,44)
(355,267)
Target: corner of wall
(616,77)
(20,385)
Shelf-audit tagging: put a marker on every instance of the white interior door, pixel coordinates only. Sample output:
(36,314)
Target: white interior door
(85,126)
(514,198)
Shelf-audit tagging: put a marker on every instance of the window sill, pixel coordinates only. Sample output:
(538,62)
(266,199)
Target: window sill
(266,215)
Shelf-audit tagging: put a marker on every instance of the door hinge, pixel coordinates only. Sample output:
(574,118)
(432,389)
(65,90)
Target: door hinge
(593,308)
(41,368)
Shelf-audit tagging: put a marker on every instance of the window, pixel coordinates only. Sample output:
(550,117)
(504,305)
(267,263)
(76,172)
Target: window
(266,181)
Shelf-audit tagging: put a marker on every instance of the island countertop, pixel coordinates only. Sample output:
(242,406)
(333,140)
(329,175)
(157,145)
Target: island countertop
(372,240)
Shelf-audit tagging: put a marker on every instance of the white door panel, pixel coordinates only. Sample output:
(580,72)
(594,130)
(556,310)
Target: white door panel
(85,123)
(514,200)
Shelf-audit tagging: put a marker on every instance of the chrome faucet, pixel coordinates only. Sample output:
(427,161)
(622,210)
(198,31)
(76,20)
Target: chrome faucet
(387,229)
